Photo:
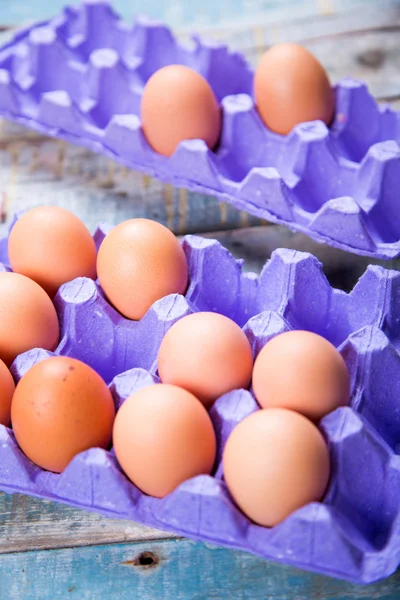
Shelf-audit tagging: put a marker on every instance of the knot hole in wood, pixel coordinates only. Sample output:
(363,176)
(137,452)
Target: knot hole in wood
(144,560)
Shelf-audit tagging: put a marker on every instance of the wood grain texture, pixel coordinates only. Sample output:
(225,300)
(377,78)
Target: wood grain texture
(172,569)
(36,170)
(32,524)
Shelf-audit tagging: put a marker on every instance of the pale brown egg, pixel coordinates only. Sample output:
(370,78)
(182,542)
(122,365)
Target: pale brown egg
(206,354)
(61,407)
(301,371)
(7,387)
(139,262)
(51,246)
(275,461)
(162,437)
(28,318)
(290,87)
(178,104)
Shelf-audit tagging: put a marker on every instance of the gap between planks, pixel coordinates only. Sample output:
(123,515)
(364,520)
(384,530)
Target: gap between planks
(91,543)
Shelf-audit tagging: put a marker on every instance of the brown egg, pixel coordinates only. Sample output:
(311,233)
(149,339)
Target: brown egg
(51,246)
(275,461)
(178,104)
(163,436)
(7,388)
(301,371)
(139,262)
(61,407)
(290,87)
(28,318)
(206,354)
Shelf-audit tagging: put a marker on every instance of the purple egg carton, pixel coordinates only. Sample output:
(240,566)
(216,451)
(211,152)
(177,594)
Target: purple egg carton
(354,533)
(80,77)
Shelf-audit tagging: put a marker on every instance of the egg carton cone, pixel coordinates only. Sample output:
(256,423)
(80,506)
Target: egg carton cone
(80,77)
(354,533)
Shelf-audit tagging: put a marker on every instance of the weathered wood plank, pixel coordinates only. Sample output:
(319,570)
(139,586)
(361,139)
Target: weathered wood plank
(175,569)
(371,56)
(256,244)
(31,524)
(37,171)
(199,13)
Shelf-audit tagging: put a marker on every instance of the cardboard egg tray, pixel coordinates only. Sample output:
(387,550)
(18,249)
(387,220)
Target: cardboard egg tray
(354,533)
(80,77)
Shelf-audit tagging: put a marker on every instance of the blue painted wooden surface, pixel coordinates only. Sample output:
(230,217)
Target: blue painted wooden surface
(176,569)
(49,551)
(181,12)
(94,560)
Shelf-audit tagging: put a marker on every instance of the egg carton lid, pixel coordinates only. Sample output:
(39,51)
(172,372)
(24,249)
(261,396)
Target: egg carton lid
(80,77)
(354,533)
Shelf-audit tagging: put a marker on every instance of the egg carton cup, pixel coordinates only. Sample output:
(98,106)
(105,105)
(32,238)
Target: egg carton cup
(80,77)
(354,533)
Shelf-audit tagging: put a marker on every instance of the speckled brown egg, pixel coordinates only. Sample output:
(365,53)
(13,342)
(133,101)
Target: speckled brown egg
(139,262)
(275,461)
(178,104)
(28,318)
(207,354)
(162,437)
(301,371)
(290,87)
(7,388)
(61,407)
(51,246)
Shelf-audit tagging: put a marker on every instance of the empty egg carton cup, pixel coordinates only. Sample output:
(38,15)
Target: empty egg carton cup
(354,533)
(80,77)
